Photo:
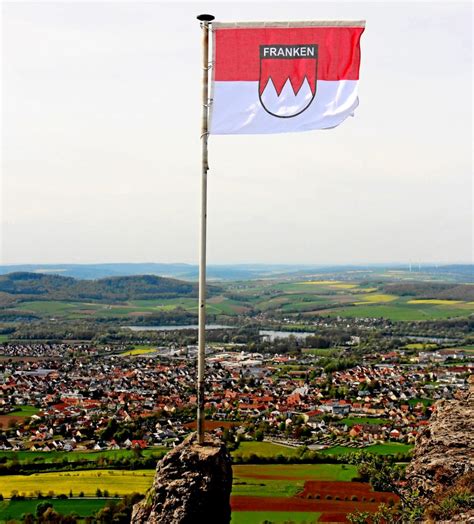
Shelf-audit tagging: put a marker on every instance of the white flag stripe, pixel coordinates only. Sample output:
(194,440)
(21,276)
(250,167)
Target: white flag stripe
(237,109)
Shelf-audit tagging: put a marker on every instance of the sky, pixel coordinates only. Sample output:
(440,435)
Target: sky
(101,142)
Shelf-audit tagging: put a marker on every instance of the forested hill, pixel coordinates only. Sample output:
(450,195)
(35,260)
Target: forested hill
(37,286)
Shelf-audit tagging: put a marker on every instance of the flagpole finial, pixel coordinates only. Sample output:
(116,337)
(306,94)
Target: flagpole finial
(205,18)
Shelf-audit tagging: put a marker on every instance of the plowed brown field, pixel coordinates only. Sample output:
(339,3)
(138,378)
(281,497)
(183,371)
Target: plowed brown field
(320,496)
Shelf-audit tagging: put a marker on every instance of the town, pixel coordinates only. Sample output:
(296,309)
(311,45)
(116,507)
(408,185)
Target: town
(87,397)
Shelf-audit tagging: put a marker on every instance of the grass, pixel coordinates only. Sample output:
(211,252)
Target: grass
(321,352)
(14,509)
(121,482)
(352,421)
(24,411)
(276,517)
(434,301)
(264,449)
(76,456)
(398,312)
(3,338)
(297,472)
(266,487)
(378,449)
(77,310)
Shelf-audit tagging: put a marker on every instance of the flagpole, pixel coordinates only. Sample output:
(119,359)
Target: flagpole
(205,21)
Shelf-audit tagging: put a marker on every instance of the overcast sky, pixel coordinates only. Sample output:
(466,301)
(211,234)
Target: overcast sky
(101,142)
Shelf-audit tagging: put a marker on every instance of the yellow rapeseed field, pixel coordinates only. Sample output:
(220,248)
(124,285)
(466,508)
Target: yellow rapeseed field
(433,301)
(377,298)
(137,351)
(115,481)
(331,283)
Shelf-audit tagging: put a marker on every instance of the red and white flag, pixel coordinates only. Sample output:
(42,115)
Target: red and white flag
(274,77)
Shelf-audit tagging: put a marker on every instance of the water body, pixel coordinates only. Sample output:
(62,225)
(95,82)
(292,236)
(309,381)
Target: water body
(175,328)
(271,335)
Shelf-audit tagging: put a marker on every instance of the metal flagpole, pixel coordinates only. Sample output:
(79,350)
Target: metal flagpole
(205,20)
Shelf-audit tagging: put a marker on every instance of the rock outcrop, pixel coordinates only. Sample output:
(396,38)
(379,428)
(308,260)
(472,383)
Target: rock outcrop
(443,459)
(192,484)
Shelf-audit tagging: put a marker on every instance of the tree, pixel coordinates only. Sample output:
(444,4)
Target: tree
(384,475)
(42,507)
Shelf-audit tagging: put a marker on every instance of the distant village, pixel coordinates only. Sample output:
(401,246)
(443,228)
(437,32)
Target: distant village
(81,397)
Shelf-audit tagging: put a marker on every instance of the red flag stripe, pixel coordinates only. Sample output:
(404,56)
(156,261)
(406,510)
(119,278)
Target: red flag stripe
(237,51)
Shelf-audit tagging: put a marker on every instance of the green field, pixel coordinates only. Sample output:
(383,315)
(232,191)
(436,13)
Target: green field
(401,311)
(276,517)
(322,297)
(297,472)
(10,510)
(264,449)
(322,352)
(24,411)
(379,449)
(77,310)
(352,421)
(3,338)
(77,456)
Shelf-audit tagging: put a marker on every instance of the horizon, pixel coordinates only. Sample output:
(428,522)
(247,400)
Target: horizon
(414,264)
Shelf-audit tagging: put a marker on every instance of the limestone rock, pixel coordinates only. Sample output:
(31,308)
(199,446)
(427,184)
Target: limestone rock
(192,484)
(444,450)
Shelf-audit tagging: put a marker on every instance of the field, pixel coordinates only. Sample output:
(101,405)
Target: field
(119,482)
(322,297)
(77,310)
(319,492)
(83,507)
(137,351)
(308,492)
(24,411)
(76,456)
(390,448)
(352,421)
(19,413)
(264,449)
(276,517)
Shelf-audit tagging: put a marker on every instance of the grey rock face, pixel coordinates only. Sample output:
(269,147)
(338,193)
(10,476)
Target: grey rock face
(444,451)
(192,484)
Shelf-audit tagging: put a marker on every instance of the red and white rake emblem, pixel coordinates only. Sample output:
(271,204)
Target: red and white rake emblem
(288,77)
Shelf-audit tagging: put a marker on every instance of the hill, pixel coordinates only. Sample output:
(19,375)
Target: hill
(21,286)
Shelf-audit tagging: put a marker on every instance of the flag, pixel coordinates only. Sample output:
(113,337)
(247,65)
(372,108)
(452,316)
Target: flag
(274,77)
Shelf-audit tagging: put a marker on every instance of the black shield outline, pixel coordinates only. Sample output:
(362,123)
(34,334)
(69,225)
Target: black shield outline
(315,86)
